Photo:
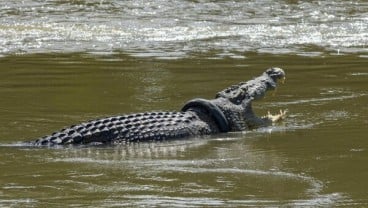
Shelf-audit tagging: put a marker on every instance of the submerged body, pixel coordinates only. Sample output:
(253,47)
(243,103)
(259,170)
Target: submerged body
(231,110)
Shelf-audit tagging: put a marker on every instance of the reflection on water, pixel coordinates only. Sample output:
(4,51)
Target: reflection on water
(64,62)
(307,160)
(204,172)
(97,61)
(151,169)
(316,157)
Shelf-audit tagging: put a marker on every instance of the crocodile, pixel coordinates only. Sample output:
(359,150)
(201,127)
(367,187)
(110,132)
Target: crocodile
(230,111)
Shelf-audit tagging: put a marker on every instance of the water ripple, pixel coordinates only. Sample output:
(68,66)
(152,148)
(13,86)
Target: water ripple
(181,28)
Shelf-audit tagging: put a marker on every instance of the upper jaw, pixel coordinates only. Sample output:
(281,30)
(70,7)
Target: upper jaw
(253,89)
(276,74)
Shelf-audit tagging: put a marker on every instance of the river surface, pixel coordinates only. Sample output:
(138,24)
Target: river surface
(65,62)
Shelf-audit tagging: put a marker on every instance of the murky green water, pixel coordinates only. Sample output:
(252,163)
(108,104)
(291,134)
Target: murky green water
(318,156)
(63,62)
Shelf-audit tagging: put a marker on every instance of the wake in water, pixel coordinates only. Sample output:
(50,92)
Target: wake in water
(161,164)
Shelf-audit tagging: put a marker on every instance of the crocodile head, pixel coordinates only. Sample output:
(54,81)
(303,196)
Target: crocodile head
(254,89)
(276,73)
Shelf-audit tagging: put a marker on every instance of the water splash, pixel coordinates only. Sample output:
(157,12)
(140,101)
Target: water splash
(175,29)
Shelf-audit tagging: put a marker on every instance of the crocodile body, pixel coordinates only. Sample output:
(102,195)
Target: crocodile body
(231,110)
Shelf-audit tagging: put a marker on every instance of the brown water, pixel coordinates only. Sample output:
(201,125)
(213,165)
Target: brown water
(67,61)
(316,157)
